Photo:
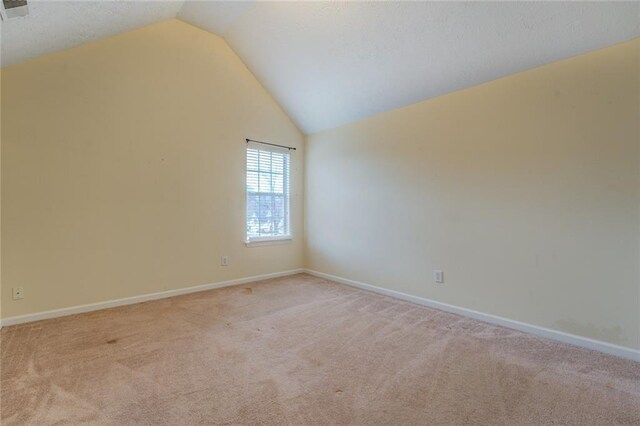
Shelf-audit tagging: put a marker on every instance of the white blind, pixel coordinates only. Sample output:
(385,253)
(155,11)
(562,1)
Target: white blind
(268,201)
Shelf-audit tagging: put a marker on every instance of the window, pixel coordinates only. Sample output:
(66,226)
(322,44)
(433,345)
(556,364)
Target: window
(268,200)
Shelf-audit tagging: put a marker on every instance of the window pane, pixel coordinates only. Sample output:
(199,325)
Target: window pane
(265,161)
(253,214)
(267,193)
(278,184)
(265,182)
(252,182)
(277,163)
(252,159)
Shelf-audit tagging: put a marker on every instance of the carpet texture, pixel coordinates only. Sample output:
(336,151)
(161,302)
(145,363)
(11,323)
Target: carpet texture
(301,350)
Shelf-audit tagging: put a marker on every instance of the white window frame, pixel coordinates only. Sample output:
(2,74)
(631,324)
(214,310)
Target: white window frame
(278,239)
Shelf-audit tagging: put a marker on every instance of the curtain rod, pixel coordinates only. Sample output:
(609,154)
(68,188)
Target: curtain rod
(272,144)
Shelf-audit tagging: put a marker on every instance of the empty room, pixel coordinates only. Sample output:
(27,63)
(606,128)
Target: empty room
(319,213)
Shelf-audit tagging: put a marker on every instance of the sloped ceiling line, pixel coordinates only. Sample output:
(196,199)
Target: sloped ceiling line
(331,63)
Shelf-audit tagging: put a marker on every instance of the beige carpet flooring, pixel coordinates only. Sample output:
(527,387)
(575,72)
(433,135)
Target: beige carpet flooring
(301,350)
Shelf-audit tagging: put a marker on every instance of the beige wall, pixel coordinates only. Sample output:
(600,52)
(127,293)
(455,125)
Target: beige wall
(0,190)
(123,169)
(524,190)
(122,173)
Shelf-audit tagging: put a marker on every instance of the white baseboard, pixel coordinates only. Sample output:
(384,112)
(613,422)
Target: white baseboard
(608,348)
(138,299)
(596,345)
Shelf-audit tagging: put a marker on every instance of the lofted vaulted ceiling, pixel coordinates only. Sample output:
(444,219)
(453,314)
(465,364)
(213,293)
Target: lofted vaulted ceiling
(330,63)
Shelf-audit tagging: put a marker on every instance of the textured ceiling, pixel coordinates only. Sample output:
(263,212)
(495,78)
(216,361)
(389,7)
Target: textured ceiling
(330,63)
(56,25)
(213,16)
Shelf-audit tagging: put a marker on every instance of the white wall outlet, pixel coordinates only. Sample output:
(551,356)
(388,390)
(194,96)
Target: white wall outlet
(224,261)
(18,293)
(438,276)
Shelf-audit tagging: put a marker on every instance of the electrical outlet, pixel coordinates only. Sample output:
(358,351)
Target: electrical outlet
(224,261)
(18,293)
(438,277)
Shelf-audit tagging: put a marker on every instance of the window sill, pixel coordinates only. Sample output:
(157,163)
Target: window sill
(268,241)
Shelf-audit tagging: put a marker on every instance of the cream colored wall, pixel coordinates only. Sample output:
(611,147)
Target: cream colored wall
(123,169)
(0,191)
(122,173)
(523,190)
